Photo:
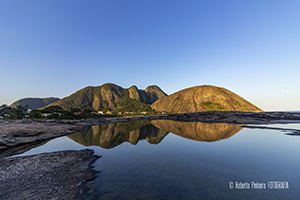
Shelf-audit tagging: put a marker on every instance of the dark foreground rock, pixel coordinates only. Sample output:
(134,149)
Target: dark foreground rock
(19,132)
(57,175)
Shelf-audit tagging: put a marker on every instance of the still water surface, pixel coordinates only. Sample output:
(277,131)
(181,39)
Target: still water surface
(188,160)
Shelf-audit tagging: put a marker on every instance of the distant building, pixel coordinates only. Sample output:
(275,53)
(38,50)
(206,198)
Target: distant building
(109,112)
(46,114)
(101,112)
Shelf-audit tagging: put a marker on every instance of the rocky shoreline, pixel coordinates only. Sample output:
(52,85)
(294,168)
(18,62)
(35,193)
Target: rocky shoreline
(57,175)
(65,174)
(19,132)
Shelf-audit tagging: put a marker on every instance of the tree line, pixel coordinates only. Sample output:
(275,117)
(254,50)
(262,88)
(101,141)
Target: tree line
(51,112)
(17,112)
(56,112)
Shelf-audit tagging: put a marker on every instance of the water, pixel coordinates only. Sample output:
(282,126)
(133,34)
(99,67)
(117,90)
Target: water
(188,160)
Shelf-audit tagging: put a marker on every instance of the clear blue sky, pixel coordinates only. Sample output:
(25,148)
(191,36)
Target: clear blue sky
(54,47)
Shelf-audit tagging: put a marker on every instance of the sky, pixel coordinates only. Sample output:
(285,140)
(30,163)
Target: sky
(53,48)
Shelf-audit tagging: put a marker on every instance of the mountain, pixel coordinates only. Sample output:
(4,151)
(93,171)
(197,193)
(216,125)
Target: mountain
(203,98)
(200,131)
(35,103)
(112,97)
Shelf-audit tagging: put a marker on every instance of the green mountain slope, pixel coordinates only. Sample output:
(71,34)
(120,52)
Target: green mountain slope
(34,103)
(112,97)
(204,98)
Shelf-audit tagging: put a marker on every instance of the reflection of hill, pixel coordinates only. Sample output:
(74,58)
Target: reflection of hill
(197,130)
(111,135)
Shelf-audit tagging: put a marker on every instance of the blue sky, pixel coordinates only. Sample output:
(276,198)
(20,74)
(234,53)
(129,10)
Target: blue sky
(54,48)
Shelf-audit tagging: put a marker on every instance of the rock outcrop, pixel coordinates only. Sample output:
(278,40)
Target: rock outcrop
(204,98)
(57,175)
(156,91)
(148,96)
(18,132)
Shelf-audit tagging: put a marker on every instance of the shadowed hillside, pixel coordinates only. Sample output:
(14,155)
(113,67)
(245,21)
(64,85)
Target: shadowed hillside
(34,103)
(112,97)
(200,131)
(203,98)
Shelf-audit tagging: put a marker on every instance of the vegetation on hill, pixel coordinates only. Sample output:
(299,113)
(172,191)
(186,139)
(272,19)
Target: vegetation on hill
(56,112)
(203,98)
(51,112)
(16,112)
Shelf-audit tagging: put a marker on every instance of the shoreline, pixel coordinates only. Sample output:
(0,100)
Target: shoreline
(14,133)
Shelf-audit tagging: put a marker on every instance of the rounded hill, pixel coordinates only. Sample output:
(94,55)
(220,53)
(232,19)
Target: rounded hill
(204,98)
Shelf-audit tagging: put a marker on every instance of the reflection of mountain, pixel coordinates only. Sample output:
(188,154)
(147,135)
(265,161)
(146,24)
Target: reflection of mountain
(197,130)
(111,135)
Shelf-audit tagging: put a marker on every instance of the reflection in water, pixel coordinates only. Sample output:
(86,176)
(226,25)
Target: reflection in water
(111,135)
(200,131)
(180,168)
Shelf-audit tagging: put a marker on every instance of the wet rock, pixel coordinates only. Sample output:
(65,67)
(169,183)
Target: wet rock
(16,132)
(57,175)
(237,117)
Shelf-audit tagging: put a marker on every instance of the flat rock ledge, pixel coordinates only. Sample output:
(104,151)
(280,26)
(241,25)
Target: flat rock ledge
(57,175)
(234,117)
(18,132)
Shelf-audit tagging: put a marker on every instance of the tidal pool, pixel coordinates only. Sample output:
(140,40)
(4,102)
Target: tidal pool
(166,159)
